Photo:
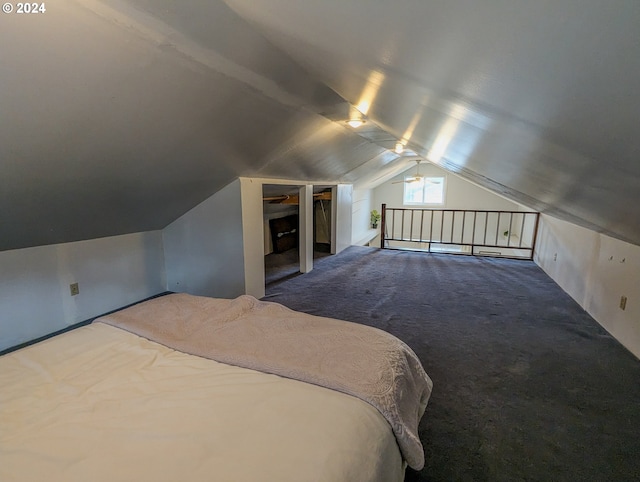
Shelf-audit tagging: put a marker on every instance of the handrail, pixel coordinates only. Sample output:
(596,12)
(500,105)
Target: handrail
(510,234)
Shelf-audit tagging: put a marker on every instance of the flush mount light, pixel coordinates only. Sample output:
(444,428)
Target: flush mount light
(399,148)
(356,122)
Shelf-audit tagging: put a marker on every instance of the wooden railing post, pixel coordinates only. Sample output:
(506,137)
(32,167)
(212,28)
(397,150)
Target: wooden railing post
(535,236)
(383,221)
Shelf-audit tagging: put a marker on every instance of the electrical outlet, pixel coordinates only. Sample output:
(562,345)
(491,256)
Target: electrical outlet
(555,256)
(74,288)
(623,302)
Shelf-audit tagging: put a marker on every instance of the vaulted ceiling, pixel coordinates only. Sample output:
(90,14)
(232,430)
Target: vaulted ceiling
(119,116)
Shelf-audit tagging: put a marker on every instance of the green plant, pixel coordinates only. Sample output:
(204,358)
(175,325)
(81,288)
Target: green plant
(375,218)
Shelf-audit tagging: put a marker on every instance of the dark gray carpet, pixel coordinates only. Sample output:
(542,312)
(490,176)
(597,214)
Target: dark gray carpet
(281,266)
(527,386)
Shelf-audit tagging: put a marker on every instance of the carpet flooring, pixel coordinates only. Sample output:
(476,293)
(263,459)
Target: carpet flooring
(281,266)
(527,386)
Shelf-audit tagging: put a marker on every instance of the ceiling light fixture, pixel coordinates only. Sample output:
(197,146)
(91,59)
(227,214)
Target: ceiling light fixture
(399,148)
(356,122)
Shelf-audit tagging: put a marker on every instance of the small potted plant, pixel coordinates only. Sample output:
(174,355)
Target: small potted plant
(375,218)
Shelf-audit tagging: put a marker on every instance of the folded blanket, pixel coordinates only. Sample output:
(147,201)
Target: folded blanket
(354,359)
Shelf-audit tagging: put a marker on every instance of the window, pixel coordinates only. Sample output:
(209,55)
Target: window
(426,190)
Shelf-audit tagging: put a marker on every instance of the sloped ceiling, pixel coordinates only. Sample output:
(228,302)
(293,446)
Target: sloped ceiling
(118,117)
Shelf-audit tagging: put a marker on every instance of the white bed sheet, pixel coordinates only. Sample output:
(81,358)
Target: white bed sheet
(101,404)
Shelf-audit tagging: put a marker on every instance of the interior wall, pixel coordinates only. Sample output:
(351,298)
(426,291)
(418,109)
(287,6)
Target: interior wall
(595,270)
(112,272)
(252,233)
(342,213)
(217,248)
(305,223)
(203,249)
(363,204)
(460,193)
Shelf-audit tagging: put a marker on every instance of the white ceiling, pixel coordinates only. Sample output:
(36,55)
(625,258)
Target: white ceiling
(119,116)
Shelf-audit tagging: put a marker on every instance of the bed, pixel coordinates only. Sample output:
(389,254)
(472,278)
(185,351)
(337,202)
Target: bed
(200,389)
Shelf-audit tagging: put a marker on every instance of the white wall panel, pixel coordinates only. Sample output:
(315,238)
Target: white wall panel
(343,195)
(253,235)
(112,272)
(595,270)
(361,216)
(306,228)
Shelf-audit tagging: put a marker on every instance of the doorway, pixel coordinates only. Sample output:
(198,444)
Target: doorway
(322,221)
(282,229)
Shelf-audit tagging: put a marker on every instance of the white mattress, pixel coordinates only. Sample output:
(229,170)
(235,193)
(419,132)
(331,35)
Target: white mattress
(101,404)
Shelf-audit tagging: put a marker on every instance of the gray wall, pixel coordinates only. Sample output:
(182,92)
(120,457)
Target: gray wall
(203,249)
(112,272)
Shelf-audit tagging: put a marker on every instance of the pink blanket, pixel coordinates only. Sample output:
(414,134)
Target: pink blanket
(354,359)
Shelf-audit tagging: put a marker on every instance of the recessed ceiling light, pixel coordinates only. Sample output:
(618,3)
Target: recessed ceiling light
(355,122)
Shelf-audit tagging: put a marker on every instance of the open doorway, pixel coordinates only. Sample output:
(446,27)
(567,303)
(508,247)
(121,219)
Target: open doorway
(281,213)
(322,221)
